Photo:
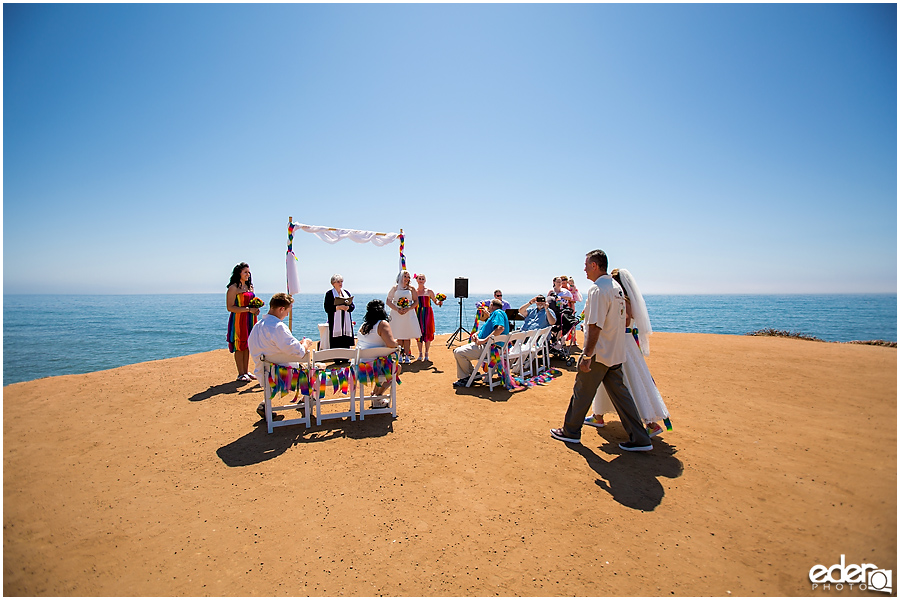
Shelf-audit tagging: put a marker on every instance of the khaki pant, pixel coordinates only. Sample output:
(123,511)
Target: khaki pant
(465,355)
(613,380)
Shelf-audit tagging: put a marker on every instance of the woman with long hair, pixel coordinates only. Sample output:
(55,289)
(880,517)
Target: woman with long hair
(425,315)
(640,383)
(241,318)
(375,332)
(403,300)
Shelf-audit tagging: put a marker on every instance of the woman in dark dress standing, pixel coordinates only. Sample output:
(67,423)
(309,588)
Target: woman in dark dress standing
(241,318)
(340,322)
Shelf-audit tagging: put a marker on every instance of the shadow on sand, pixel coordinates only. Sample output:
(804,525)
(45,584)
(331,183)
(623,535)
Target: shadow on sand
(631,478)
(230,387)
(418,367)
(482,390)
(258,446)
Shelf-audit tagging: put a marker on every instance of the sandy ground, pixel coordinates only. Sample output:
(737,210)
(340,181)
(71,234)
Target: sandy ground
(158,479)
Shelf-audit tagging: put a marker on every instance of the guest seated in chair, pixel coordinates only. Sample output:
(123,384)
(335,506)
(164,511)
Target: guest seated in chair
(537,316)
(496,324)
(272,338)
(375,332)
(499,296)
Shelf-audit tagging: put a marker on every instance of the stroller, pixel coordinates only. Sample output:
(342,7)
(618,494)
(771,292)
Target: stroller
(566,321)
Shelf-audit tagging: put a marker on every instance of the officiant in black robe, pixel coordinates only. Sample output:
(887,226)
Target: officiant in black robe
(340,321)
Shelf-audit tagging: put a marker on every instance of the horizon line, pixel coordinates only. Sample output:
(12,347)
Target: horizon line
(470,297)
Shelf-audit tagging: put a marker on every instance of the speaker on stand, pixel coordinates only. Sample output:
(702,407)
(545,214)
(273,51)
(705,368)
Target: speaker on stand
(460,290)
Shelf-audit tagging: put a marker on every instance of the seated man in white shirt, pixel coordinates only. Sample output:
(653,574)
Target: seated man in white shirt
(271,337)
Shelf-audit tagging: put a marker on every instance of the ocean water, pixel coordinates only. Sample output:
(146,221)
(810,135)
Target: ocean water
(46,335)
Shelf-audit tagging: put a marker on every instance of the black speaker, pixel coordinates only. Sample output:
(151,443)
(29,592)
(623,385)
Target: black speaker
(461,290)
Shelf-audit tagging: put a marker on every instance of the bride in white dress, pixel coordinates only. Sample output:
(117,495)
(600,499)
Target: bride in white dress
(640,383)
(404,323)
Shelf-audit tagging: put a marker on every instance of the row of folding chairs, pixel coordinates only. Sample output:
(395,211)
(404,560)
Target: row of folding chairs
(526,352)
(317,363)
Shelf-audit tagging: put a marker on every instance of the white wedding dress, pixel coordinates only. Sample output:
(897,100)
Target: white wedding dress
(405,327)
(640,383)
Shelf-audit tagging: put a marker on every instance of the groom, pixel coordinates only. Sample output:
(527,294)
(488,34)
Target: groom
(272,338)
(602,358)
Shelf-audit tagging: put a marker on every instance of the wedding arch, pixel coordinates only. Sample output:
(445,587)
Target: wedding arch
(333,235)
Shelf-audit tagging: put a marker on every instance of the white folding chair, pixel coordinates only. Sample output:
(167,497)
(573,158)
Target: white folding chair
(301,400)
(317,358)
(528,352)
(368,356)
(485,359)
(540,350)
(515,353)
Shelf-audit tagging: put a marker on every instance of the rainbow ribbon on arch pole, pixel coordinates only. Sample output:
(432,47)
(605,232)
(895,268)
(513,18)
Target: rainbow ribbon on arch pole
(293,279)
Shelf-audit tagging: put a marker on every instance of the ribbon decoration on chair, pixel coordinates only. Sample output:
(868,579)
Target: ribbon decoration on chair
(501,366)
(340,378)
(498,363)
(482,313)
(377,371)
(284,379)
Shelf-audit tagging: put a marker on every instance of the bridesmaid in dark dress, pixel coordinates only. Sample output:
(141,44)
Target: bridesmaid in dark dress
(340,321)
(241,318)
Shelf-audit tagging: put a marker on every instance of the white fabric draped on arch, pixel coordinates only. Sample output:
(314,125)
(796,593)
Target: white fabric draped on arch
(333,235)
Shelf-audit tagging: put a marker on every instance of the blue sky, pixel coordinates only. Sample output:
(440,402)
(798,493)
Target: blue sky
(707,148)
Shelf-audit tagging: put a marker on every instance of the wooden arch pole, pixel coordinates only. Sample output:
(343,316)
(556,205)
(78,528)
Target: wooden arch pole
(291,313)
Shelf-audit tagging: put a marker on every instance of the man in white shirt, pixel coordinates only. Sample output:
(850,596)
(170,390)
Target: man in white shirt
(272,338)
(602,358)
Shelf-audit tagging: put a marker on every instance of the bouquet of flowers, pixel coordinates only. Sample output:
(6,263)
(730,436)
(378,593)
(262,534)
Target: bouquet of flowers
(256,302)
(403,302)
(440,297)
